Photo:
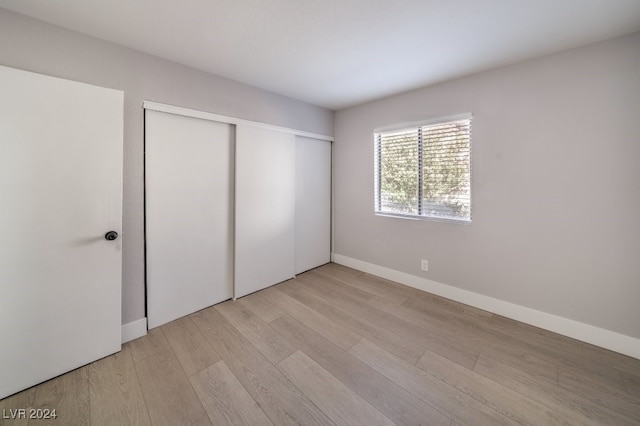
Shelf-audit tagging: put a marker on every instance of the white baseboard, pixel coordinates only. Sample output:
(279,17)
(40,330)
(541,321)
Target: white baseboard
(133,330)
(580,331)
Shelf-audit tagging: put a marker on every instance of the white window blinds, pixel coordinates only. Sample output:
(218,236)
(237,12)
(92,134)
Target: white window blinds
(425,171)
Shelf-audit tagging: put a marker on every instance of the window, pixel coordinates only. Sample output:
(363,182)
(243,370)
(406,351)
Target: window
(425,171)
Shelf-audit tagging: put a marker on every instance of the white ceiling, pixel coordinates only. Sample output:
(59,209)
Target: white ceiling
(337,53)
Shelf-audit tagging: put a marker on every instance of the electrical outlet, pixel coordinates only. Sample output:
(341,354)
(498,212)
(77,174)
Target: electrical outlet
(424,265)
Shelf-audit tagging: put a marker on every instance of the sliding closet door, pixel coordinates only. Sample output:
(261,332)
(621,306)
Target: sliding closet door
(189,214)
(313,203)
(265,208)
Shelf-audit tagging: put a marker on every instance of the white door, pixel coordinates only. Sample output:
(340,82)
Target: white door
(189,214)
(265,208)
(313,203)
(60,192)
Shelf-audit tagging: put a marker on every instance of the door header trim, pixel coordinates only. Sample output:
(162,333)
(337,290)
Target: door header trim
(172,109)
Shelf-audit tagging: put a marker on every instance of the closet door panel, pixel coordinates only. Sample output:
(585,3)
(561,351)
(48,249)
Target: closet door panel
(313,203)
(189,214)
(265,208)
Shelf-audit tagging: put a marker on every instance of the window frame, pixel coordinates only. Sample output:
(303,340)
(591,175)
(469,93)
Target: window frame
(377,171)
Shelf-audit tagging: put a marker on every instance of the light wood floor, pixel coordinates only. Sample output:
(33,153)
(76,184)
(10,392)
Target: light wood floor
(336,346)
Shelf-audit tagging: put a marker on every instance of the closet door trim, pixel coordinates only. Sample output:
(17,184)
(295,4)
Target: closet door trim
(172,109)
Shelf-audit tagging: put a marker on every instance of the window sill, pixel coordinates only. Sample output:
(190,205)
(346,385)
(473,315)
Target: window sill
(424,218)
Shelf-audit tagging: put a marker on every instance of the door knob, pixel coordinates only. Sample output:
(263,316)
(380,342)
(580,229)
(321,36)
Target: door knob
(111,235)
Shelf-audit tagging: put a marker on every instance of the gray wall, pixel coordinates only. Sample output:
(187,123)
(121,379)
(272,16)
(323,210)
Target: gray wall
(556,186)
(36,46)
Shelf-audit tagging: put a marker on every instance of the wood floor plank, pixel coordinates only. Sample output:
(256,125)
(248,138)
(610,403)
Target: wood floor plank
(277,396)
(404,348)
(319,323)
(567,351)
(447,399)
(631,383)
(366,277)
(68,395)
(435,302)
(502,399)
(115,395)
(390,399)
(258,305)
(523,354)
(622,362)
(570,404)
(435,308)
(535,366)
(440,340)
(191,348)
(320,278)
(363,283)
(599,391)
(604,371)
(274,348)
(341,297)
(224,398)
(453,322)
(151,344)
(168,394)
(339,402)
(526,357)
